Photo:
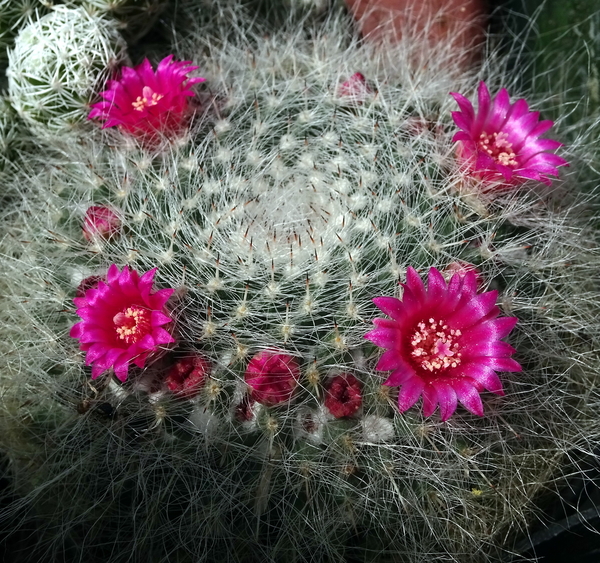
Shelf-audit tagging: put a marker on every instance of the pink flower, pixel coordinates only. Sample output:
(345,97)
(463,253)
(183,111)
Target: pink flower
(502,140)
(443,342)
(272,376)
(343,395)
(355,89)
(143,101)
(243,411)
(122,321)
(187,376)
(100,221)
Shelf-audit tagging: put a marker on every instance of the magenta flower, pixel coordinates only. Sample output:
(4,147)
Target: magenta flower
(343,395)
(355,89)
(143,101)
(188,375)
(100,221)
(502,140)
(272,376)
(122,321)
(443,342)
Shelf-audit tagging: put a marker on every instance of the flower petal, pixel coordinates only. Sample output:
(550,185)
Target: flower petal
(410,393)
(430,400)
(446,399)
(468,395)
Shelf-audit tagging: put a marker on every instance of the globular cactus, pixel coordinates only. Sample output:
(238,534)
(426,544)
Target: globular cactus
(56,66)
(297,195)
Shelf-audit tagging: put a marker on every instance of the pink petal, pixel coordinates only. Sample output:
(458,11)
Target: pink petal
(493,329)
(461,121)
(147,279)
(465,106)
(499,364)
(383,337)
(519,129)
(461,136)
(147,343)
(415,284)
(92,335)
(546,161)
(468,395)
(158,318)
(77,330)
(410,393)
(113,356)
(121,371)
(446,398)
(389,360)
(506,171)
(158,299)
(483,107)
(161,336)
(484,162)
(94,353)
(487,348)
(113,274)
(499,110)
(400,376)
(430,400)
(474,310)
(390,306)
(518,110)
(484,376)
(436,285)
(140,361)
(97,371)
(541,128)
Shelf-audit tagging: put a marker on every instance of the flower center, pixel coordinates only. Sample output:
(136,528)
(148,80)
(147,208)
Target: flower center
(148,99)
(132,324)
(498,147)
(434,346)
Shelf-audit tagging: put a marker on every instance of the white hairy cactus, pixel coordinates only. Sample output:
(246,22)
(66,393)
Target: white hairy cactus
(283,212)
(56,66)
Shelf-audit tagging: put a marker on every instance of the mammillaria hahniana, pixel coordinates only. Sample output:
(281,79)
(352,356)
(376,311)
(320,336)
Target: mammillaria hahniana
(277,217)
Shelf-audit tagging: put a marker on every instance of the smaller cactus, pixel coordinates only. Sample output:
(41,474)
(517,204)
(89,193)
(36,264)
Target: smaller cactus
(58,64)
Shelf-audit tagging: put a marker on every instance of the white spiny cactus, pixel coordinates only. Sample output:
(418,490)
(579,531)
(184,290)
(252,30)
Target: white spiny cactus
(277,219)
(57,65)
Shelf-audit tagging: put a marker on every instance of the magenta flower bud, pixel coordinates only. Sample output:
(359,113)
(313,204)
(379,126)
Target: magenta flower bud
(243,411)
(462,268)
(343,395)
(443,343)
(100,221)
(144,102)
(355,89)
(272,377)
(187,376)
(91,282)
(501,142)
(123,321)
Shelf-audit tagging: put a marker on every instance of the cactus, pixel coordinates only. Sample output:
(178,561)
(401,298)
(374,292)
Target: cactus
(286,208)
(57,65)
(14,15)
(134,17)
